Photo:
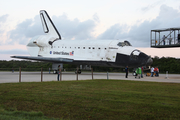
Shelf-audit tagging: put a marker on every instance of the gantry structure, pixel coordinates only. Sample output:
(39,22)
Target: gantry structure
(165,38)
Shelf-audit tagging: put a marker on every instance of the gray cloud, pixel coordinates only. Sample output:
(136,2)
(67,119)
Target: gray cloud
(74,29)
(139,35)
(151,6)
(96,18)
(115,32)
(69,29)
(25,30)
(3,18)
(2,21)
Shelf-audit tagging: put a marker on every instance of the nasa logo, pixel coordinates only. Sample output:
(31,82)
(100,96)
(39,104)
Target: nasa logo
(50,52)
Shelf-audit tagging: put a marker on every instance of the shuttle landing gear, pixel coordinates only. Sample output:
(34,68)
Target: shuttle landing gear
(55,71)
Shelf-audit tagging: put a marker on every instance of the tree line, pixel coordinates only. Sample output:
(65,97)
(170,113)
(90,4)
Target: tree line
(172,65)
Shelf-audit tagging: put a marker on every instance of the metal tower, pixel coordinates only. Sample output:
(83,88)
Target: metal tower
(165,38)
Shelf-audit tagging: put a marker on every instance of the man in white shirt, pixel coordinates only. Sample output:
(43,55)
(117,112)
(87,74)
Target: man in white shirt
(152,72)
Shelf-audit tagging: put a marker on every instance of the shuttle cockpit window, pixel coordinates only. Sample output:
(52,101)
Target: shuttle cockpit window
(134,55)
(125,43)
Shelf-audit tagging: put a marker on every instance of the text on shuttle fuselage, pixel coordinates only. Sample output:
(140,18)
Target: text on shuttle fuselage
(62,53)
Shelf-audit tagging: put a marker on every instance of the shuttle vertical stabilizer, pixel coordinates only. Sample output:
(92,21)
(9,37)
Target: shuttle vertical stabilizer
(48,26)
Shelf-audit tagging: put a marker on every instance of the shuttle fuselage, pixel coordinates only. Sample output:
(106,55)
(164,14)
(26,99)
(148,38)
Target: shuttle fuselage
(110,53)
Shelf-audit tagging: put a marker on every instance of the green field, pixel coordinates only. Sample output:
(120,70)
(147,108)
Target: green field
(90,99)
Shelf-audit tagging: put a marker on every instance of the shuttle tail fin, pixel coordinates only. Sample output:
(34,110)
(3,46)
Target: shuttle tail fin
(48,26)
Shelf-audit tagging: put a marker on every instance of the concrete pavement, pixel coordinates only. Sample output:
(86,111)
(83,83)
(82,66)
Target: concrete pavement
(9,77)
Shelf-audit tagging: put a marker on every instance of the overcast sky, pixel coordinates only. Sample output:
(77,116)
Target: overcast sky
(96,19)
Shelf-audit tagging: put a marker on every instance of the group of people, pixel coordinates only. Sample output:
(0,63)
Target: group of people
(164,40)
(170,39)
(154,70)
(140,70)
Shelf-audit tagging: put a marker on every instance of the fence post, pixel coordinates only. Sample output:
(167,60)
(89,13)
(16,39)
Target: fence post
(92,72)
(41,74)
(166,75)
(60,76)
(77,74)
(19,74)
(107,75)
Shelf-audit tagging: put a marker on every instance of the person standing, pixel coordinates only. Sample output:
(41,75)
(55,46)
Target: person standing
(138,72)
(178,38)
(157,71)
(163,38)
(49,70)
(142,72)
(170,39)
(152,72)
(58,72)
(126,70)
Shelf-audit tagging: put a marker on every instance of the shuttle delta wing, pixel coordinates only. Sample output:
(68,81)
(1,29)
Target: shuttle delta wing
(48,59)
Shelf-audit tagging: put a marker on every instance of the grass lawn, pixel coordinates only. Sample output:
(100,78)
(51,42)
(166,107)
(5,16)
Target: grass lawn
(90,99)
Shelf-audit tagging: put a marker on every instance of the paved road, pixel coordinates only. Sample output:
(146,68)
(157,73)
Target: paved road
(9,77)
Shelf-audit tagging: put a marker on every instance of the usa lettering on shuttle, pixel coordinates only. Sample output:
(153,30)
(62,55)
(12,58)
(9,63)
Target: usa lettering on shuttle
(60,53)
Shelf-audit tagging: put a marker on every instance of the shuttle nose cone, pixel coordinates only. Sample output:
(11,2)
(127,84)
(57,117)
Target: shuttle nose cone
(149,62)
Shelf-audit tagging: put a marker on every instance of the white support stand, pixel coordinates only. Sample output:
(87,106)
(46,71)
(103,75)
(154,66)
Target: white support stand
(107,75)
(166,75)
